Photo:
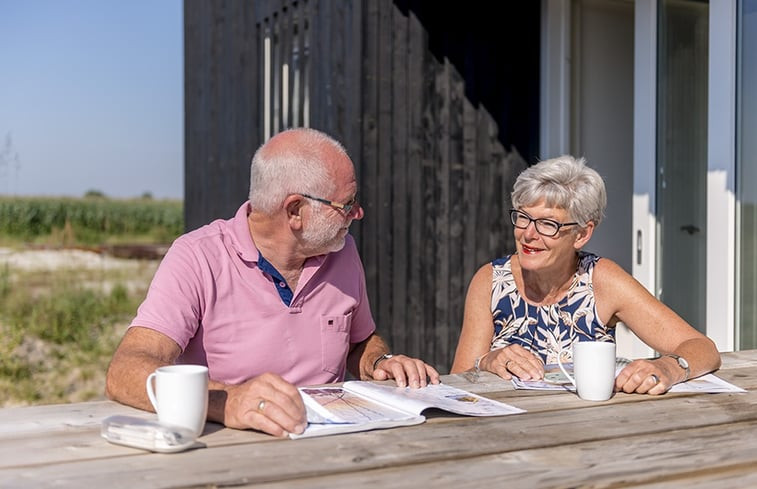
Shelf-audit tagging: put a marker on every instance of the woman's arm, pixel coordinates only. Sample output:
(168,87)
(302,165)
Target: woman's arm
(621,297)
(476,337)
(478,329)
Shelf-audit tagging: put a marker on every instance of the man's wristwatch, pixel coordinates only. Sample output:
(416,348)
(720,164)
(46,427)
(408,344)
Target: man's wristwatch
(681,363)
(382,357)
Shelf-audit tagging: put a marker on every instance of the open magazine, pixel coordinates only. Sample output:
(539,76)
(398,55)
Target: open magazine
(361,406)
(555,380)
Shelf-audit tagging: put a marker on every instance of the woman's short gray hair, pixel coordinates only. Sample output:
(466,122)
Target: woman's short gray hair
(564,182)
(296,163)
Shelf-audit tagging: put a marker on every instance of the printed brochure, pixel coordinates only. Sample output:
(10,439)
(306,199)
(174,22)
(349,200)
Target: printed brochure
(360,406)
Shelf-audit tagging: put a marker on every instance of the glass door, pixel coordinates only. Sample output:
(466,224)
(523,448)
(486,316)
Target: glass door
(681,158)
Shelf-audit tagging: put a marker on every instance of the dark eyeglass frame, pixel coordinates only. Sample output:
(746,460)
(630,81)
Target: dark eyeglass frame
(515,214)
(336,205)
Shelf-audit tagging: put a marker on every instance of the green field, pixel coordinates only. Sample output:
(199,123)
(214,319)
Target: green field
(89,221)
(60,323)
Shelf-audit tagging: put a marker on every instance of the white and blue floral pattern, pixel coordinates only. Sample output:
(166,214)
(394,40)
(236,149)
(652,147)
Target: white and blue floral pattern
(551,329)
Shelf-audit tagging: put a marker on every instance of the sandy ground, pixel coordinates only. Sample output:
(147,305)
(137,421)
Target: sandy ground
(35,260)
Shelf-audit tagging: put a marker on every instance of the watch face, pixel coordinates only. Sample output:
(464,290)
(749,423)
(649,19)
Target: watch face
(683,363)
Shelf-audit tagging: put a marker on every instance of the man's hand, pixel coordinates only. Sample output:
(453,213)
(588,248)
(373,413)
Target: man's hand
(406,371)
(266,403)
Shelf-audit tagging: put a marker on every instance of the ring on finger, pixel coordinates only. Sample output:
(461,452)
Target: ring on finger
(507,364)
(655,378)
(261,405)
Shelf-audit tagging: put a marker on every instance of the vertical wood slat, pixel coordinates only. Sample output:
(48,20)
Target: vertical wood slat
(385,123)
(369,164)
(400,204)
(442,110)
(419,284)
(430,205)
(456,281)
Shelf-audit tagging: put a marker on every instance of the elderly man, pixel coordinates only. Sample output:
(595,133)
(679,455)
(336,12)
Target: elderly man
(272,298)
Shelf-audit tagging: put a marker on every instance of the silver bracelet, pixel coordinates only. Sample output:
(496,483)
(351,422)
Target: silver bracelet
(477,363)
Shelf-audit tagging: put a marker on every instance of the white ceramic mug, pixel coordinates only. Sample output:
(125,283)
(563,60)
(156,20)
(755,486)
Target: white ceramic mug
(180,395)
(593,368)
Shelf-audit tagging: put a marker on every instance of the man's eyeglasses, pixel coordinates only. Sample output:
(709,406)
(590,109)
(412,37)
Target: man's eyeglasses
(545,227)
(336,205)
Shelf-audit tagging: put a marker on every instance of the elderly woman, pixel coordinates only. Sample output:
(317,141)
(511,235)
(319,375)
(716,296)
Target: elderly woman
(523,310)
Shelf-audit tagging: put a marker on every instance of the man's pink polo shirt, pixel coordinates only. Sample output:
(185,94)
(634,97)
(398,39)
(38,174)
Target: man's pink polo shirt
(211,298)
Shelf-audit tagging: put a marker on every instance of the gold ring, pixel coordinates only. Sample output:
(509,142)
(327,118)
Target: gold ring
(261,405)
(507,363)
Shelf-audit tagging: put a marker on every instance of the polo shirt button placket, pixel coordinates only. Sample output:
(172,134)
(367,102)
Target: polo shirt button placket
(296,308)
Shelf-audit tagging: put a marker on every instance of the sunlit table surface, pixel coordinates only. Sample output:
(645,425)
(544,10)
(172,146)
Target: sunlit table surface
(675,440)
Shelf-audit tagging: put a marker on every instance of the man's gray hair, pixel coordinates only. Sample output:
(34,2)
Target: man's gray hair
(292,162)
(564,182)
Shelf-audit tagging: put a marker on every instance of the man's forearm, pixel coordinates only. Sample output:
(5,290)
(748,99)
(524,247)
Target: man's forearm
(141,352)
(126,378)
(363,355)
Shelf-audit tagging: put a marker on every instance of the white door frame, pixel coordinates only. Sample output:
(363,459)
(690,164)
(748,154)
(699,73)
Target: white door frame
(644,149)
(721,181)
(554,137)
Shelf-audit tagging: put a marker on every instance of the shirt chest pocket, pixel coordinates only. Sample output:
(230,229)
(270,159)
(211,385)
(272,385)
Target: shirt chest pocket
(335,342)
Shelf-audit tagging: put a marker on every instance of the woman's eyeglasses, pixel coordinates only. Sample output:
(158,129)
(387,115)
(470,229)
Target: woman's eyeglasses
(545,227)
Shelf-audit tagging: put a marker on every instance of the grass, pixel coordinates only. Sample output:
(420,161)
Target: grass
(60,326)
(58,330)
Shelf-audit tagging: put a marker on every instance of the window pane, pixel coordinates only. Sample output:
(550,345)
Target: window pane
(746,164)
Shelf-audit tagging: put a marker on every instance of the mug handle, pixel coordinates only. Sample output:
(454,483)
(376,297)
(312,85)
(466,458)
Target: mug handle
(564,371)
(151,392)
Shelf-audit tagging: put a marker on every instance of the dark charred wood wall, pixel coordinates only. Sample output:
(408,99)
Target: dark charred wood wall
(437,105)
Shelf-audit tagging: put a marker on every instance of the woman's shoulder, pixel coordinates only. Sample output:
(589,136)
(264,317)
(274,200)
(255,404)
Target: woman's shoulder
(606,273)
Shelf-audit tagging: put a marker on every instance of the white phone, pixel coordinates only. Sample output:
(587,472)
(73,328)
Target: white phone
(146,434)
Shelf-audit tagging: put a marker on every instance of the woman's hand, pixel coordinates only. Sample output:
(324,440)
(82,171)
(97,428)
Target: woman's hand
(652,377)
(513,360)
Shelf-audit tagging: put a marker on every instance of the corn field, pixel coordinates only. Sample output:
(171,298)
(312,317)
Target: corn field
(90,220)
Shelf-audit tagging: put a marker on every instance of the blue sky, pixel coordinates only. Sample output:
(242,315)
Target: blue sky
(91,97)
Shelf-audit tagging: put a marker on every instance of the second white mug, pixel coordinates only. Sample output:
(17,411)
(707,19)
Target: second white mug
(593,369)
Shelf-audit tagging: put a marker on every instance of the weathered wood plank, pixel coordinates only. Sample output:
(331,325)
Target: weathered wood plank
(437,442)
(683,459)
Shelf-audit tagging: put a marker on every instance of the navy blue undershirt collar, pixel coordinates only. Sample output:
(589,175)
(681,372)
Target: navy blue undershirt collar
(282,287)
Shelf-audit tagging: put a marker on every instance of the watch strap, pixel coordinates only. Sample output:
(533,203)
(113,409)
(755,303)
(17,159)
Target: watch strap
(681,363)
(379,359)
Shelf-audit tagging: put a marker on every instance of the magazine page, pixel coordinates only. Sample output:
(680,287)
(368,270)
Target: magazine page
(555,380)
(332,410)
(709,384)
(438,396)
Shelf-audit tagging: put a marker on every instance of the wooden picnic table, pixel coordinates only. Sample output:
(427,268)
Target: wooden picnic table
(675,440)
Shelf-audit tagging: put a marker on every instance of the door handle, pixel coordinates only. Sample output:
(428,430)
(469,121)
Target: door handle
(690,228)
